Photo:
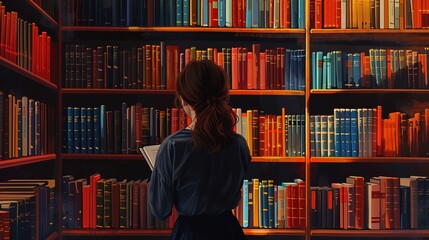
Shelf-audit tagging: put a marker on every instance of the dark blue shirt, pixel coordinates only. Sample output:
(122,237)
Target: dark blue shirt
(195,181)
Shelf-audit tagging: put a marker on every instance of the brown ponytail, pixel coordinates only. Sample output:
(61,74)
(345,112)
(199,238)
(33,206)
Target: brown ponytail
(203,85)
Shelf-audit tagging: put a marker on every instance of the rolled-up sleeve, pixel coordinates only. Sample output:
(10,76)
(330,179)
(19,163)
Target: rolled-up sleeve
(160,187)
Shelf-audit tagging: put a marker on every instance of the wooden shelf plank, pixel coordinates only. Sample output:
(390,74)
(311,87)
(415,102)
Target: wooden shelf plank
(369,160)
(279,159)
(26,160)
(45,15)
(172,92)
(369,31)
(167,232)
(369,233)
(15,69)
(367,91)
(95,157)
(116,91)
(185,29)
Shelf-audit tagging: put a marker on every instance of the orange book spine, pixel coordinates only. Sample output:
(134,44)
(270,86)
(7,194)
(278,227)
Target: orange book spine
(234,67)
(249,68)
(85,205)
(279,136)
(379,149)
(262,135)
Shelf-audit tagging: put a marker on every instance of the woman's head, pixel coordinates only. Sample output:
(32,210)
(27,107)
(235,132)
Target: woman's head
(203,85)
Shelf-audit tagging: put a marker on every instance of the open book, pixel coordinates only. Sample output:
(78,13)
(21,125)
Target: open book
(149,153)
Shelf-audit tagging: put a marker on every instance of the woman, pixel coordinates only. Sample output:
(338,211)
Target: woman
(200,169)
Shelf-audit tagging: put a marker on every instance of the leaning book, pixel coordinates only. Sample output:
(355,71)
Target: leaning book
(149,153)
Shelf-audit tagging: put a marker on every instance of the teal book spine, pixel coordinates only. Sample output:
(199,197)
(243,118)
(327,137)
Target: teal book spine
(249,7)
(354,132)
(186,13)
(246,203)
(76,129)
(83,131)
(205,13)
(221,11)
(179,13)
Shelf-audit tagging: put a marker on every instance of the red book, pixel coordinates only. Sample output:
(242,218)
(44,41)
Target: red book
(250,66)
(7,36)
(359,184)
(48,59)
(214,14)
(169,61)
(4,225)
(93,179)
(86,193)
(235,12)
(262,71)
(14,34)
(301,203)
(318,14)
(150,11)
(294,207)
(234,67)
(2,29)
(43,56)
(138,120)
(182,119)
(287,7)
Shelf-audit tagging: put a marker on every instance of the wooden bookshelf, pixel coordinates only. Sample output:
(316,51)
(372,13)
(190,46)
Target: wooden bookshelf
(279,159)
(26,160)
(52,236)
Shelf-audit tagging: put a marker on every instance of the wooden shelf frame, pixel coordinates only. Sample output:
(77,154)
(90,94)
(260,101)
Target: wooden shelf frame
(52,236)
(406,233)
(368,91)
(26,160)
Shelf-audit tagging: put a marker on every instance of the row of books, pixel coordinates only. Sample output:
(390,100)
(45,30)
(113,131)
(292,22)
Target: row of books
(99,202)
(384,202)
(381,68)
(268,205)
(362,132)
(23,124)
(204,13)
(157,66)
(27,208)
(21,43)
(95,130)
(270,134)
(369,14)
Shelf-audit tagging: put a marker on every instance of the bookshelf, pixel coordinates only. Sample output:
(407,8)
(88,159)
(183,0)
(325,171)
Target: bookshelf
(316,171)
(28,112)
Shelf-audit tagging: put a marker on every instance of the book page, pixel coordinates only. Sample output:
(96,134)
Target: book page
(149,153)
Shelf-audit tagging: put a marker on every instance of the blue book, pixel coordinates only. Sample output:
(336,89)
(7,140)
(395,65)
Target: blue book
(337,132)
(96,130)
(264,202)
(198,13)
(205,13)
(289,152)
(186,13)
(179,13)
(103,130)
(301,69)
(328,71)
(333,69)
(324,72)
(301,13)
(222,12)
(368,139)
(76,129)
(171,13)
(249,9)
(83,131)
(246,203)
(287,69)
(115,12)
(123,14)
(343,132)
(347,123)
(339,69)
(294,13)
(276,207)
(344,69)
(255,13)
(65,197)
(292,70)
(90,130)
(356,70)
(354,132)
(360,131)
(130,14)
(270,189)
(70,141)
(405,207)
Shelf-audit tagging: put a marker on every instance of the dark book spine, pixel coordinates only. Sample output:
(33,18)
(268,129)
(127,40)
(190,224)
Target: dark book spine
(122,205)
(117,131)
(83,131)
(71,199)
(108,203)
(70,119)
(78,66)
(100,204)
(109,67)
(405,207)
(103,130)
(90,130)
(100,67)
(96,130)
(124,128)
(115,205)
(65,197)
(145,126)
(115,70)
(76,129)
(109,132)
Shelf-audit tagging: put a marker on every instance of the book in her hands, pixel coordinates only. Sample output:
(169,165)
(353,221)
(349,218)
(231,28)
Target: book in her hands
(149,153)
